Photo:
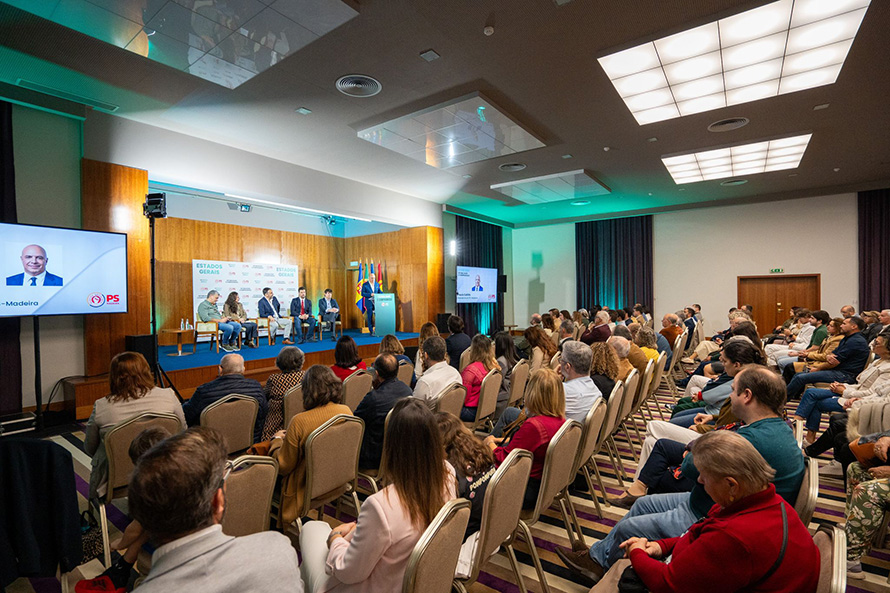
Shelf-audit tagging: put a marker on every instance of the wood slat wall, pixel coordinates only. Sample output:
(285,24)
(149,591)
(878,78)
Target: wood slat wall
(111,200)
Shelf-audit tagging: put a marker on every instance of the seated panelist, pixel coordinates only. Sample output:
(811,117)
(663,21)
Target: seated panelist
(208,312)
(329,309)
(301,311)
(269,308)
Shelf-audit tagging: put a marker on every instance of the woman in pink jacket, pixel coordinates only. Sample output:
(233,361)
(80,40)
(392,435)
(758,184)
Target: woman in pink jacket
(370,555)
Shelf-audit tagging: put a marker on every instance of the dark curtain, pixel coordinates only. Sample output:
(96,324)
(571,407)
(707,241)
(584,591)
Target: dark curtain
(874,249)
(10,327)
(613,262)
(480,245)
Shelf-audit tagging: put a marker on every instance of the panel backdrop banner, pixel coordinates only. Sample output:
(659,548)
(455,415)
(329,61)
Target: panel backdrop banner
(247,279)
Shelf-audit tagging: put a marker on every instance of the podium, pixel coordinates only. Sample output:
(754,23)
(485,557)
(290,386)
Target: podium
(385,313)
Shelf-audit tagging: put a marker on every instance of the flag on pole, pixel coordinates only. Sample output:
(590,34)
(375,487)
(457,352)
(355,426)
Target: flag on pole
(380,274)
(359,302)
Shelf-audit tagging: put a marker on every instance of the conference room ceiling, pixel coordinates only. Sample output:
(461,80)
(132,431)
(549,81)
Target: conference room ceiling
(539,64)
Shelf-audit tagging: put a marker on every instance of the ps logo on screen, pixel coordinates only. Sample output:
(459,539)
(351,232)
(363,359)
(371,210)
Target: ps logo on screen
(96,299)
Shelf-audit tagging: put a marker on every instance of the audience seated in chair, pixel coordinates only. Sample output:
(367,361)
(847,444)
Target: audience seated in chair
(506,356)
(346,358)
(322,393)
(542,348)
(133,392)
(621,346)
(758,399)
(481,361)
(868,498)
(671,327)
(208,312)
(290,362)
(178,494)
(388,390)
(796,343)
(437,373)
(372,553)
(457,342)
(427,330)
(645,339)
(635,355)
(234,310)
(842,365)
(604,367)
(581,392)
(231,380)
(391,345)
(598,329)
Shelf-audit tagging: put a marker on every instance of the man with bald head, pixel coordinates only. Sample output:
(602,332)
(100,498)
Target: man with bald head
(231,379)
(34,262)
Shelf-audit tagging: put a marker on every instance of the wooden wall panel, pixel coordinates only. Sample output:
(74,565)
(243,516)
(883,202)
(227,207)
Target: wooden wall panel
(111,200)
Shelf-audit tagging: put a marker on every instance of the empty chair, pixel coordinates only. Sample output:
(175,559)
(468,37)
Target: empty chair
(434,558)
(293,404)
(832,544)
(234,416)
(518,380)
(805,503)
(500,516)
(249,490)
(452,399)
(488,398)
(356,387)
(590,431)
(120,466)
(406,372)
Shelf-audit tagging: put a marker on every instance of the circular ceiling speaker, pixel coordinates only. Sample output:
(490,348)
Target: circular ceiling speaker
(733,182)
(728,124)
(512,167)
(358,85)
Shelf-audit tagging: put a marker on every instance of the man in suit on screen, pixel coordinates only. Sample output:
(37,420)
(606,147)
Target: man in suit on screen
(477,287)
(301,311)
(329,310)
(269,308)
(34,262)
(369,289)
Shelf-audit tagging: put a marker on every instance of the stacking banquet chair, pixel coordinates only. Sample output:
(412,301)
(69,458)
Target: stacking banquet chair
(434,558)
(631,387)
(374,476)
(832,544)
(117,445)
(464,360)
(637,405)
(590,431)
(488,400)
(234,416)
(500,517)
(406,371)
(249,489)
(356,387)
(605,441)
(518,381)
(654,384)
(805,503)
(293,404)
(675,364)
(554,362)
(451,399)
(559,466)
(331,453)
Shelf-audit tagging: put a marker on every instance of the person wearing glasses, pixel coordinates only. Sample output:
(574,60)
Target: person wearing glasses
(581,392)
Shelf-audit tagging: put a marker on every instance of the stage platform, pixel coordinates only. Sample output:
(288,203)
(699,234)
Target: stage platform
(188,372)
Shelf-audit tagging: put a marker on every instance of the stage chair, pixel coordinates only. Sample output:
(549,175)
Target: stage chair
(209,328)
(324,324)
(451,399)
(249,495)
(332,452)
(356,387)
(261,324)
(234,416)
(434,558)
(117,445)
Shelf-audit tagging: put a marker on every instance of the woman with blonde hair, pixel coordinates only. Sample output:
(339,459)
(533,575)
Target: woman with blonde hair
(372,554)
(133,392)
(545,405)
(542,348)
(604,368)
(481,362)
(427,330)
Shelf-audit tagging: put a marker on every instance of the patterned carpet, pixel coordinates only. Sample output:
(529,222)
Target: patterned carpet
(548,532)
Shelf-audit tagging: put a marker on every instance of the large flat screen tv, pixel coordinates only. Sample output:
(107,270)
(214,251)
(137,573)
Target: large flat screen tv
(57,271)
(477,285)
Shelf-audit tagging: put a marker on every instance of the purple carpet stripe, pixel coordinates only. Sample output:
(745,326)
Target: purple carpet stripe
(493,582)
(114,514)
(46,585)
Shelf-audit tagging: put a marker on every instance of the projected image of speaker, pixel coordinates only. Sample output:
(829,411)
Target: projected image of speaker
(477,285)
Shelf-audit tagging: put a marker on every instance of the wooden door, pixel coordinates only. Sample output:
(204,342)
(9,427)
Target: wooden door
(773,296)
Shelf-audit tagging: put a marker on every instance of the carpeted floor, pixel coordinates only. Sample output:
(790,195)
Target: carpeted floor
(548,533)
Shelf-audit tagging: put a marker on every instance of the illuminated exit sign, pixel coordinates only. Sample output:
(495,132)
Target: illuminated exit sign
(777,270)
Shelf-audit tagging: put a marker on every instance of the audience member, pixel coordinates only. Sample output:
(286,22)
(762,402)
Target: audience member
(427,330)
(868,497)
(566,330)
(604,367)
(758,400)
(347,360)
(819,320)
(598,330)
(635,355)
(457,342)
(322,394)
(290,362)
(872,325)
(547,324)
(749,529)
(178,494)
(848,311)
(481,361)
(581,392)
(542,348)
(621,346)
(535,320)
(208,312)
(437,374)
(794,344)
(506,356)
(234,310)
(231,380)
(671,329)
(391,345)
(645,339)
(842,365)
(812,360)
(376,405)
(545,405)
(132,392)
(372,553)
(270,308)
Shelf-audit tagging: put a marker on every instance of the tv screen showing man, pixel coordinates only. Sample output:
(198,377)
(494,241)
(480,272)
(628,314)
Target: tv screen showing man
(34,261)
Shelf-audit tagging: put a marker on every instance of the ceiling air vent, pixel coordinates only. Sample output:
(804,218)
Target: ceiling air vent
(512,167)
(731,123)
(358,85)
(734,182)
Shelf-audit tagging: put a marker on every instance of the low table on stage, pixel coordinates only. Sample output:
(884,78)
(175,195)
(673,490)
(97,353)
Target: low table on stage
(179,333)
(510,328)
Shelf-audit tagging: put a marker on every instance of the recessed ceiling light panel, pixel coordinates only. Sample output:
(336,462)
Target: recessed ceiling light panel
(553,188)
(736,161)
(779,48)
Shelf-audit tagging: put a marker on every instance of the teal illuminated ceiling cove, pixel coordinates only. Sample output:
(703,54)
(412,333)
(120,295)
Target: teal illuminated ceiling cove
(459,132)
(553,188)
(227,43)
(779,48)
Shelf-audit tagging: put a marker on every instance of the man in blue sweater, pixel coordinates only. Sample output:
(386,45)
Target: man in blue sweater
(842,365)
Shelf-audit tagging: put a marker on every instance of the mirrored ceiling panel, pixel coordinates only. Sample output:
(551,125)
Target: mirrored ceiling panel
(460,132)
(227,42)
(553,188)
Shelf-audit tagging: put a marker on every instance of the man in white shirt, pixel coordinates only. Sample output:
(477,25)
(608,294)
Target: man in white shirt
(269,307)
(437,374)
(800,343)
(581,392)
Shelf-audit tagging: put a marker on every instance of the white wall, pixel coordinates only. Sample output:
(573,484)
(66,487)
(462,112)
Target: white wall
(543,270)
(46,148)
(698,254)
(170,157)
